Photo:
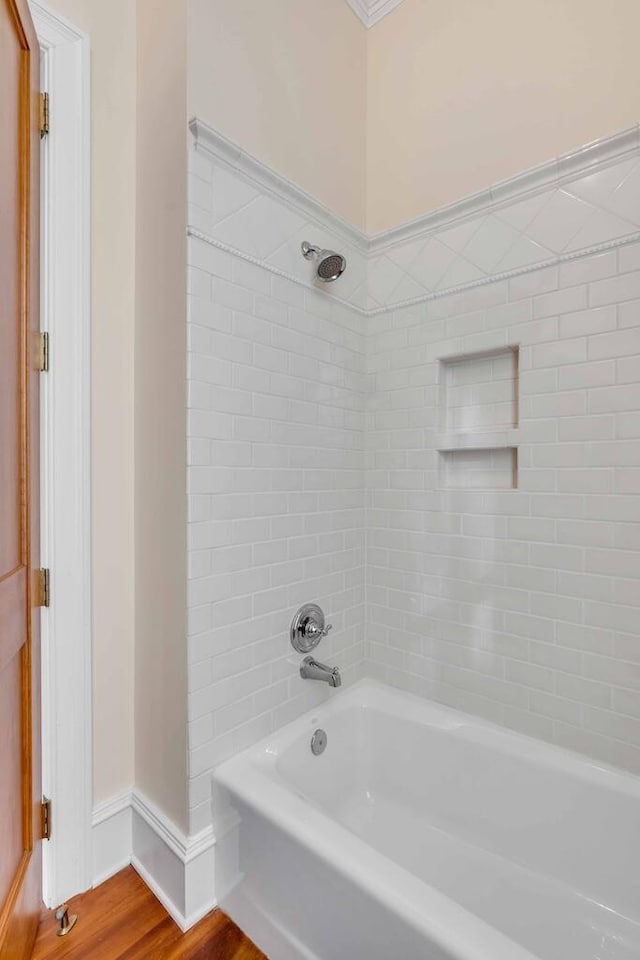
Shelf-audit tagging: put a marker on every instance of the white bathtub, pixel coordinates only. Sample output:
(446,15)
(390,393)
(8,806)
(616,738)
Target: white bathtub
(422,834)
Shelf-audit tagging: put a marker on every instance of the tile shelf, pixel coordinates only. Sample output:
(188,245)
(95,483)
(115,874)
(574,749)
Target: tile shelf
(495,439)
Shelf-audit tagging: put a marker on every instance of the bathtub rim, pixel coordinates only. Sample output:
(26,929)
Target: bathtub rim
(374,695)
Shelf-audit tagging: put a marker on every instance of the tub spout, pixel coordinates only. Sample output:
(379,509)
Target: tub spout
(310,669)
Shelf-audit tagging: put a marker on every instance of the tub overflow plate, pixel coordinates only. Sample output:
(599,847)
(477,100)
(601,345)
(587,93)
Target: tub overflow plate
(318,742)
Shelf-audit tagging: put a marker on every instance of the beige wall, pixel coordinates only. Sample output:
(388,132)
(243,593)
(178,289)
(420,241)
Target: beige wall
(462,93)
(138,160)
(111,27)
(457,94)
(160,419)
(285,79)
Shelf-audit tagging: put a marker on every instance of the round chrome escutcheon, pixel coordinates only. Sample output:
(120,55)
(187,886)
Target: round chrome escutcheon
(308,627)
(318,742)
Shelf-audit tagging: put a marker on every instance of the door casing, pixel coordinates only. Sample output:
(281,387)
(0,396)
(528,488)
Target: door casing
(67,625)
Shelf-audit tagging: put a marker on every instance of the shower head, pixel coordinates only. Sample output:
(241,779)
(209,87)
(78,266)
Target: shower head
(329,264)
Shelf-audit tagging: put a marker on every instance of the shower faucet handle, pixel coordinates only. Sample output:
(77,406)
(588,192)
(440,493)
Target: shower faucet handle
(313,629)
(308,627)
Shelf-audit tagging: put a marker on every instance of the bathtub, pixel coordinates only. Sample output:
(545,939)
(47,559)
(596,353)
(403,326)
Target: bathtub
(421,833)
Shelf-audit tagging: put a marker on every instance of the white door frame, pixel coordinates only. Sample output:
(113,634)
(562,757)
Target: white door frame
(67,627)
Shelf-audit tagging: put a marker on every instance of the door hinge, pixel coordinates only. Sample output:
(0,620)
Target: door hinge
(44,115)
(43,352)
(45,818)
(44,587)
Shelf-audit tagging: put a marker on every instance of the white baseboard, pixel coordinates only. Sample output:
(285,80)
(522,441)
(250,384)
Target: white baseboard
(111,837)
(186,873)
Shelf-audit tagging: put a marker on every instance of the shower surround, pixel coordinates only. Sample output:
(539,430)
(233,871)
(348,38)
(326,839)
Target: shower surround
(501,562)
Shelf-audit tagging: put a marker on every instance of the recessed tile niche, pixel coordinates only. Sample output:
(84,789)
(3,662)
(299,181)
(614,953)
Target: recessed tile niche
(489,469)
(479,420)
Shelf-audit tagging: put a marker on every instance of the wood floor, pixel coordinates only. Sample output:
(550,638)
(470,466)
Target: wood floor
(122,920)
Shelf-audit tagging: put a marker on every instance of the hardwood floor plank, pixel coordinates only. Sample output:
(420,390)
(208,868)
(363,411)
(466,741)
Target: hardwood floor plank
(156,943)
(122,920)
(107,930)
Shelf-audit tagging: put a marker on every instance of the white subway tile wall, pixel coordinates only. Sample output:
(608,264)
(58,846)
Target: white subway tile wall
(276,410)
(315,428)
(520,605)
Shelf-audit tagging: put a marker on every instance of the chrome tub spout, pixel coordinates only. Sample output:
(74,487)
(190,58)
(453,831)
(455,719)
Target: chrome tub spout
(311,669)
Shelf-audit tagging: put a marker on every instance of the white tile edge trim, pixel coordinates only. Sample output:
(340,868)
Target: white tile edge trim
(507,275)
(114,848)
(434,295)
(370,11)
(221,245)
(555,172)
(258,173)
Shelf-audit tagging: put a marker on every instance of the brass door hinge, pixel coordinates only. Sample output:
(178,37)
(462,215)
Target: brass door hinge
(44,115)
(43,352)
(45,818)
(44,587)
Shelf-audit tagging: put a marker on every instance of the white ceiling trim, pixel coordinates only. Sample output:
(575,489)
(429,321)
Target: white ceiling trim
(370,11)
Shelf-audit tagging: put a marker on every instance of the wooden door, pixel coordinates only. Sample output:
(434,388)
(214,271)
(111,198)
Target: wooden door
(20,845)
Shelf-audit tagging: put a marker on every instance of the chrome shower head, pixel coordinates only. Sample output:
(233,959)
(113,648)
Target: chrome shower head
(329,264)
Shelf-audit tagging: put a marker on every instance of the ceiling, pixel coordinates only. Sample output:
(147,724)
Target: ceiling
(370,11)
